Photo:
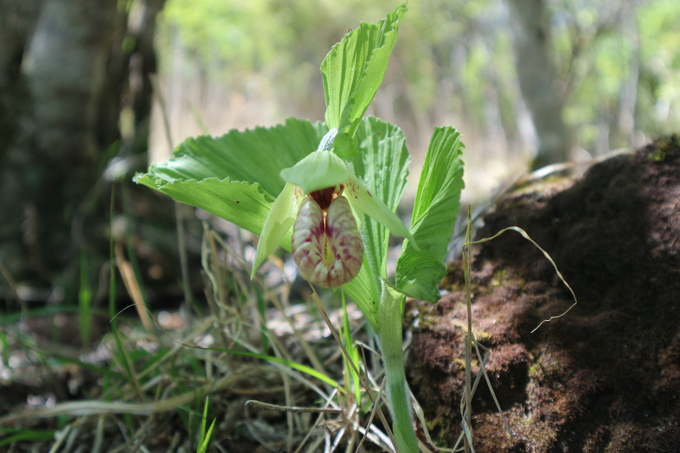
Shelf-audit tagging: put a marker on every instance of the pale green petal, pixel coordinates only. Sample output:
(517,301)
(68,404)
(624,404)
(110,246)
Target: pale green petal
(318,170)
(279,221)
(363,202)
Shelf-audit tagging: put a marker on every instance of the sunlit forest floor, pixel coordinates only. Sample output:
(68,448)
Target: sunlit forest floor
(605,377)
(141,381)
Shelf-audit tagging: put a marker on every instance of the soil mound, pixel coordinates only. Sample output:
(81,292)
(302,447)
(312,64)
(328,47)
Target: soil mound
(606,376)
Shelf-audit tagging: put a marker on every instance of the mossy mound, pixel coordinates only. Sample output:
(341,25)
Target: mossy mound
(606,376)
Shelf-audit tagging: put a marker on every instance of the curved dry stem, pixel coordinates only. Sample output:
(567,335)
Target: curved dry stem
(526,236)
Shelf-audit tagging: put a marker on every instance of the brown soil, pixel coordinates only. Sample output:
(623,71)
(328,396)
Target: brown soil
(606,376)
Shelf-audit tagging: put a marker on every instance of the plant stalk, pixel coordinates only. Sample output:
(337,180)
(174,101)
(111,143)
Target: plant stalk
(398,394)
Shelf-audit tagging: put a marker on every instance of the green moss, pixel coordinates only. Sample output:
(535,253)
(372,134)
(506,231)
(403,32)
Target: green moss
(535,371)
(498,278)
(664,147)
(659,154)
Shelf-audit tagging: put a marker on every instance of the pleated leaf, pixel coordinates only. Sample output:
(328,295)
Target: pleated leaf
(235,176)
(434,214)
(383,167)
(352,72)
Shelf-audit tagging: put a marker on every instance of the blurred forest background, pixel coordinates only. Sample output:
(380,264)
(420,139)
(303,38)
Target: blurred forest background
(527,82)
(610,72)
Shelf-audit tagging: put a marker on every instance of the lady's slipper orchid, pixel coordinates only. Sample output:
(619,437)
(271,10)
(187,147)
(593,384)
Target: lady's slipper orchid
(323,201)
(326,243)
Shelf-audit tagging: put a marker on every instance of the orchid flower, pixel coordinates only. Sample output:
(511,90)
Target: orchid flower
(319,198)
(323,201)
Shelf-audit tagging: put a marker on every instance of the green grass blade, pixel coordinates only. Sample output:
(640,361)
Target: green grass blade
(353,380)
(84,300)
(25,435)
(296,366)
(204,439)
(112,261)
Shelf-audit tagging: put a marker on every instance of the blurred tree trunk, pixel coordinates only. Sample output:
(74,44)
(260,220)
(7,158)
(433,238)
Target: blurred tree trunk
(538,80)
(64,74)
(629,90)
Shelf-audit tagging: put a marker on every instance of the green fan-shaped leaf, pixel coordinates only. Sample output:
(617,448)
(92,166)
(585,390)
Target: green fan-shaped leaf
(254,155)
(434,213)
(352,72)
(382,165)
(235,176)
(362,290)
(244,204)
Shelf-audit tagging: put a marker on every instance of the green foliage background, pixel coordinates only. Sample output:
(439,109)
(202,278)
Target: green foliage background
(453,65)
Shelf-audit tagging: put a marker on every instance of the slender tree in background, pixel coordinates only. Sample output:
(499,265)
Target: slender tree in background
(538,79)
(65,67)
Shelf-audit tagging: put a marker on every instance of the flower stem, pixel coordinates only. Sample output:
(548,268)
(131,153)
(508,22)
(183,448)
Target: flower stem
(398,394)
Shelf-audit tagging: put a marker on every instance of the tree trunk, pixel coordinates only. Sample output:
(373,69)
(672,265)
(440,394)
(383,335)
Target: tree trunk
(63,74)
(537,79)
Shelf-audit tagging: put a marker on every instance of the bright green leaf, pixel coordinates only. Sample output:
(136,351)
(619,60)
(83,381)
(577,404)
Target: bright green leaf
(363,292)
(383,166)
(235,176)
(434,213)
(289,363)
(253,156)
(244,204)
(352,72)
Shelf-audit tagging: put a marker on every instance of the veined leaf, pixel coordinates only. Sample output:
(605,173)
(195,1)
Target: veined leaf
(244,204)
(434,213)
(362,290)
(383,167)
(352,72)
(253,156)
(235,176)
